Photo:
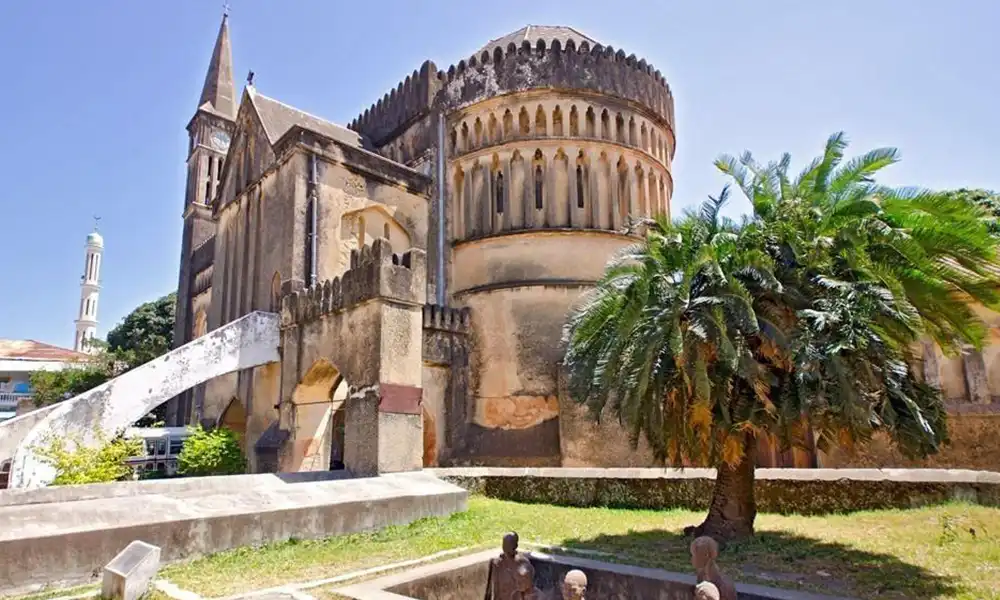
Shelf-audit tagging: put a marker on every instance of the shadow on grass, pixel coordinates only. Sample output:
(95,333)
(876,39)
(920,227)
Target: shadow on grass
(785,560)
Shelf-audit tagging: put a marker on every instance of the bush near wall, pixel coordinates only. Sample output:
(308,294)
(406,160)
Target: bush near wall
(799,491)
(215,452)
(76,463)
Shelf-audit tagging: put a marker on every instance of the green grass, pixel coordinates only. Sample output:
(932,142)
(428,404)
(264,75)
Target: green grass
(57,592)
(950,551)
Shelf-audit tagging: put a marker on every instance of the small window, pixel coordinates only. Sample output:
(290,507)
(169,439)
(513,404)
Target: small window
(385,231)
(208,180)
(498,189)
(538,188)
(579,186)
(175,447)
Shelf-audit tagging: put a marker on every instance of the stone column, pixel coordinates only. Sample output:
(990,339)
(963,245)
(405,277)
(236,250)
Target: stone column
(931,367)
(549,189)
(475,210)
(485,199)
(976,385)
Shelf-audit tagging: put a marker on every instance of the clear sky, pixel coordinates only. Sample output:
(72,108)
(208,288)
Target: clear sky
(95,95)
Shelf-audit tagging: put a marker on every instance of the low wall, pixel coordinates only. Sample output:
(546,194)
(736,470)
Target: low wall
(467,576)
(67,542)
(123,489)
(800,491)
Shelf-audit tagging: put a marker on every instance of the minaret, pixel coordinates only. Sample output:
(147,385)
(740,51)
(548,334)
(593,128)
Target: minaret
(90,288)
(208,132)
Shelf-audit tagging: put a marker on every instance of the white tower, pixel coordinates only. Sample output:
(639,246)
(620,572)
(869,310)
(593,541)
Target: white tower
(90,287)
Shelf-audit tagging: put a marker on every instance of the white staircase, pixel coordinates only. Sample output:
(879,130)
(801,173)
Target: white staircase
(250,341)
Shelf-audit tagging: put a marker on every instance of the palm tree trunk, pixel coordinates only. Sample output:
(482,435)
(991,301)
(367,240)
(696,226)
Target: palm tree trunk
(733,509)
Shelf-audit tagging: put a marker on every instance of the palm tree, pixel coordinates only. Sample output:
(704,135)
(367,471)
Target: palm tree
(709,335)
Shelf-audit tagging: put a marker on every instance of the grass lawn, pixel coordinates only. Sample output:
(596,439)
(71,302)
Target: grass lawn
(950,551)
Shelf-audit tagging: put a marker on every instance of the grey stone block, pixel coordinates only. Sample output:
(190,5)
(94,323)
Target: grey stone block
(128,575)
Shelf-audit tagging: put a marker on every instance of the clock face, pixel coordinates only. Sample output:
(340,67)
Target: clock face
(220,141)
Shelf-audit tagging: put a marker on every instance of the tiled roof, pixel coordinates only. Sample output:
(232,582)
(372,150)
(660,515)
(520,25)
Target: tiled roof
(279,117)
(533,33)
(32,350)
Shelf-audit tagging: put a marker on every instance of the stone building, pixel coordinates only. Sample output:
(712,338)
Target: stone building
(512,175)
(424,257)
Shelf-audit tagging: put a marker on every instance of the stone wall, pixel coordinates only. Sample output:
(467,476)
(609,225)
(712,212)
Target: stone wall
(800,491)
(975,444)
(446,399)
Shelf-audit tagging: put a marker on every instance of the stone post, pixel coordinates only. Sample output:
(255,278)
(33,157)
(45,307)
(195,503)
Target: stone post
(976,385)
(932,370)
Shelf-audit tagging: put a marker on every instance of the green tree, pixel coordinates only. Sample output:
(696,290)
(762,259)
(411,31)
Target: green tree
(76,463)
(710,335)
(49,387)
(146,333)
(988,200)
(215,452)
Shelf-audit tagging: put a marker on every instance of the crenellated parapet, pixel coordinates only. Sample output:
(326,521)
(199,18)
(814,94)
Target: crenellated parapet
(550,64)
(374,273)
(411,99)
(517,68)
(446,318)
(445,336)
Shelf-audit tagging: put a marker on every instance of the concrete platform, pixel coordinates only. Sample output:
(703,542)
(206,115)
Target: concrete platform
(204,485)
(68,542)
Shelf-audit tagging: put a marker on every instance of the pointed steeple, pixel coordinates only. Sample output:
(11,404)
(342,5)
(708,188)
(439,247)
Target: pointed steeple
(219,92)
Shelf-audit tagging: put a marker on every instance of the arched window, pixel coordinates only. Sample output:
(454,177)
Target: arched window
(538,187)
(579,186)
(385,231)
(498,193)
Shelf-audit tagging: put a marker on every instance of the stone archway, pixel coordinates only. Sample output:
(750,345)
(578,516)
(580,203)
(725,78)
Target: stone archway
(365,325)
(317,403)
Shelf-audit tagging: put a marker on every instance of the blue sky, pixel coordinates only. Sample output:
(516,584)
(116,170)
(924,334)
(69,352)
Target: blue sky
(95,97)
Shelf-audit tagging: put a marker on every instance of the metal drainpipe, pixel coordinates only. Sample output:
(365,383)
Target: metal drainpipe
(441,221)
(313,198)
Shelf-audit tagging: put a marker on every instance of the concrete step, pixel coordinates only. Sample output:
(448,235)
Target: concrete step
(68,542)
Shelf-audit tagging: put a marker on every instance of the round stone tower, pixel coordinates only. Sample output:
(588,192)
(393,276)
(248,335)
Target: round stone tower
(543,146)
(554,144)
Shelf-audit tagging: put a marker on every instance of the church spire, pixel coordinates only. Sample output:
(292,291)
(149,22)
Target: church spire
(219,91)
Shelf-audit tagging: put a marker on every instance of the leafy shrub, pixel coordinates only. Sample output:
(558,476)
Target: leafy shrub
(76,463)
(215,452)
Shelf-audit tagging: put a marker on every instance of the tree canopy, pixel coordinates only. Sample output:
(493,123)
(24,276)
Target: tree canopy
(711,334)
(145,333)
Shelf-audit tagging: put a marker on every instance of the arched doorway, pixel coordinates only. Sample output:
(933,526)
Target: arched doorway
(234,418)
(338,394)
(318,419)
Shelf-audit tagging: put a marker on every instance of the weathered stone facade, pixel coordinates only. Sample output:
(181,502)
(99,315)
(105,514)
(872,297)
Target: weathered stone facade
(423,259)
(499,187)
